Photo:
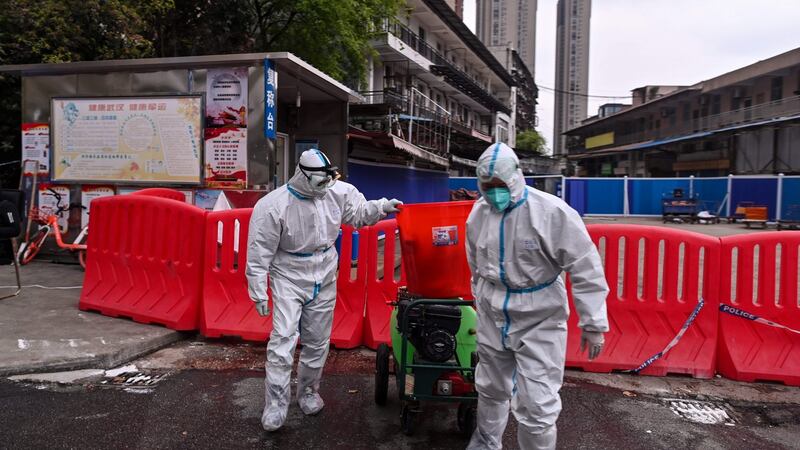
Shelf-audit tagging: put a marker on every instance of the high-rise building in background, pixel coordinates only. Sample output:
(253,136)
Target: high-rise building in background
(508,24)
(572,68)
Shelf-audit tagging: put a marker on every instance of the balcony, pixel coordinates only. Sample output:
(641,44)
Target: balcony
(742,117)
(414,118)
(442,67)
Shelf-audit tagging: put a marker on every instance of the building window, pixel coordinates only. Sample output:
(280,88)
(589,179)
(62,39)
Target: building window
(715,105)
(776,91)
(422,34)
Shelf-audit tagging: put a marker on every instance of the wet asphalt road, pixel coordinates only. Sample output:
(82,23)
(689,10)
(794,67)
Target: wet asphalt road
(201,408)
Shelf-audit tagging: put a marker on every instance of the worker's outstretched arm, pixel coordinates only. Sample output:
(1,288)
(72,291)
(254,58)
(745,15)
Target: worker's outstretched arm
(359,212)
(574,251)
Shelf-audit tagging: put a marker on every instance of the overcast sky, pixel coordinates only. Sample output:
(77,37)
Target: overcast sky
(640,42)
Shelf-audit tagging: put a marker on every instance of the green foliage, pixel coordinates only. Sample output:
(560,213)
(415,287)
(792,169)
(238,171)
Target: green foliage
(76,30)
(332,35)
(531,141)
(49,31)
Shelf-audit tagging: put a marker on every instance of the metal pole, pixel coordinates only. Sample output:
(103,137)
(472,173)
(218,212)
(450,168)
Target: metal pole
(563,188)
(410,113)
(778,208)
(625,206)
(730,190)
(691,186)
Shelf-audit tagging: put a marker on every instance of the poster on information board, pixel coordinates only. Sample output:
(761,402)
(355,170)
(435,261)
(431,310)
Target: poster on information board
(226,158)
(36,147)
(51,199)
(127,139)
(89,193)
(226,128)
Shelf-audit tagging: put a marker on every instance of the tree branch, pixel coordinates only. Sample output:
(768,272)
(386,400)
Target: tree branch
(289,21)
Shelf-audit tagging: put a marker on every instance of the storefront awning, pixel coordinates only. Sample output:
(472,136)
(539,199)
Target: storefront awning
(688,137)
(609,151)
(463,161)
(386,140)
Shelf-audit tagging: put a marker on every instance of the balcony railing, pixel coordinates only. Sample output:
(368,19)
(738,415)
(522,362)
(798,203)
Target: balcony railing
(742,116)
(415,118)
(389,97)
(456,76)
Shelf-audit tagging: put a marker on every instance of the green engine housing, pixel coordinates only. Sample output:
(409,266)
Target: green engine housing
(466,338)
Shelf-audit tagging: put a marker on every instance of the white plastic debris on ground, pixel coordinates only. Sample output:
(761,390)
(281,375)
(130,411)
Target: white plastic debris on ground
(701,412)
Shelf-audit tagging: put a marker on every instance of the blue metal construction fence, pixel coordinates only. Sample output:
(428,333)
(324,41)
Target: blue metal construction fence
(643,196)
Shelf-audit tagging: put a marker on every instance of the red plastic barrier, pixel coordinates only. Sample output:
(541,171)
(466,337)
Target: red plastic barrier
(642,325)
(144,260)
(432,237)
(351,294)
(748,350)
(227,309)
(383,289)
(171,194)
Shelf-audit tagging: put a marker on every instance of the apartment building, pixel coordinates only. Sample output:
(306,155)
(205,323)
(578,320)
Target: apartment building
(572,68)
(508,24)
(435,97)
(742,122)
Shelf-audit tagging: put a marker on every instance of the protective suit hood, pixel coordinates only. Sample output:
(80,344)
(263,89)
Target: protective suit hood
(499,161)
(300,183)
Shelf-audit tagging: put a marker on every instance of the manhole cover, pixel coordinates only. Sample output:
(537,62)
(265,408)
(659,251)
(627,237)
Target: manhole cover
(702,412)
(134,380)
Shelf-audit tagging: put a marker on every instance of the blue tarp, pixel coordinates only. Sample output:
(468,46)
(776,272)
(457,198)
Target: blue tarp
(790,204)
(404,183)
(597,196)
(711,193)
(644,195)
(605,195)
(470,184)
(761,191)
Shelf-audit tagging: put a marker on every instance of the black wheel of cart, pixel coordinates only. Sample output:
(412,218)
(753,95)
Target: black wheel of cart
(467,419)
(382,374)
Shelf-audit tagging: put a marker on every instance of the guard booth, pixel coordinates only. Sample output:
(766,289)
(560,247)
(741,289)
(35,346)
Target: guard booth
(201,125)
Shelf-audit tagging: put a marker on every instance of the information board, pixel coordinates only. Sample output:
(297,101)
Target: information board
(126,139)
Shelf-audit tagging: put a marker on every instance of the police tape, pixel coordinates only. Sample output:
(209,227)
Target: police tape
(728,309)
(673,342)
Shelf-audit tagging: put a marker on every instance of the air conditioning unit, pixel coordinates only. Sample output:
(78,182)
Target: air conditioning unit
(703,99)
(738,92)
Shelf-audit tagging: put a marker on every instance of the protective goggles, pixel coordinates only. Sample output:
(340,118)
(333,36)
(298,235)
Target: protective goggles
(492,183)
(317,179)
(504,169)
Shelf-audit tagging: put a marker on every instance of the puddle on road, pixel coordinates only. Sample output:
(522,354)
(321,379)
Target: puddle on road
(698,411)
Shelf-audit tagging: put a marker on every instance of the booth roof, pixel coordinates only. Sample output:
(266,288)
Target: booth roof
(288,65)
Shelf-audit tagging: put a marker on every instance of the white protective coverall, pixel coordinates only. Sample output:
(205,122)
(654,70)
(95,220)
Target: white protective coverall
(516,257)
(292,234)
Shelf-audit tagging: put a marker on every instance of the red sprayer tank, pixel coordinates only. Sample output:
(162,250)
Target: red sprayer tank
(432,238)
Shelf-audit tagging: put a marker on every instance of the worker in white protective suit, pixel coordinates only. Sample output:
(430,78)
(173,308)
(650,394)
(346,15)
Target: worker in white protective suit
(293,230)
(519,240)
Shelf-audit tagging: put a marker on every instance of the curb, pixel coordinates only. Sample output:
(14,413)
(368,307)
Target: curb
(106,360)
